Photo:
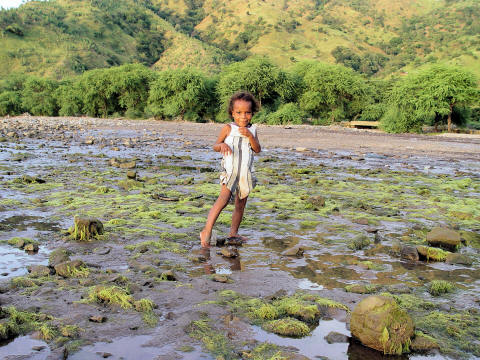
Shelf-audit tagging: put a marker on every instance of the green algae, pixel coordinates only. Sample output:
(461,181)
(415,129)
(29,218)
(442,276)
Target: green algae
(359,242)
(297,308)
(156,246)
(111,295)
(212,340)
(361,289)
(287,327)
(21,242)
(279,313)
(439,287)
(18,322)
(432,253)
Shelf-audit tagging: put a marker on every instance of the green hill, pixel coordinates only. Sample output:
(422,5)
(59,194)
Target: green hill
(374,37)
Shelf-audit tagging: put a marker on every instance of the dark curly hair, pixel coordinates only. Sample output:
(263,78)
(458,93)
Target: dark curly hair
(245,96)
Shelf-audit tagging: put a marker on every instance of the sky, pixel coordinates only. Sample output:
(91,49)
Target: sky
(6,4)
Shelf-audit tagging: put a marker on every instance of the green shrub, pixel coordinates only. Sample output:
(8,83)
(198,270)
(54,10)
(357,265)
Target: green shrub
(286,114)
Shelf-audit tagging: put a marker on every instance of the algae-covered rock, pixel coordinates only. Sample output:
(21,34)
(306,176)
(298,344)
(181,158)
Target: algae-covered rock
(297,308)
(294,251)
(409,253)
(461,259)
(287,327)
(32,247)
(443,237)
(229,252)
(58,256)
(334,337)
(75,268)
(39,270)
(132,174)
(359,242)
(379,323)
(431,253)
(317,202)
(423,343)
(362,288)
(128,165)
(168,275)
(86,228)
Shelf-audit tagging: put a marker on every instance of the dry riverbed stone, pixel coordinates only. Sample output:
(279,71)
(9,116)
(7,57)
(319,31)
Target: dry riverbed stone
(443,237)
(379,323)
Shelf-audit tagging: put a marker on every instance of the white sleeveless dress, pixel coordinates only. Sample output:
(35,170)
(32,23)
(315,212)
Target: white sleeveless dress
(238,171)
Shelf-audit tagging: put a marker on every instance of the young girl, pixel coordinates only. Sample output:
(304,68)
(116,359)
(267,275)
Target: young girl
(237,142)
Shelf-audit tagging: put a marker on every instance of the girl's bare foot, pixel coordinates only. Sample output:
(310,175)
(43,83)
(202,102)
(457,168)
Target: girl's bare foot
(242,238)
(205,238)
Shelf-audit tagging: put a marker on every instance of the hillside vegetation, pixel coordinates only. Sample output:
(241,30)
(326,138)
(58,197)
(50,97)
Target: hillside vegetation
(375,37)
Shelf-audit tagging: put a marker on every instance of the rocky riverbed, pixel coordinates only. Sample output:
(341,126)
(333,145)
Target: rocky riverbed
(337,215)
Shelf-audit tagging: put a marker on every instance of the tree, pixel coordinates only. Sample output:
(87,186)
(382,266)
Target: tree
(332,91)
(38,96)
(123,89)
(261,77)
(432,92)
(182,92)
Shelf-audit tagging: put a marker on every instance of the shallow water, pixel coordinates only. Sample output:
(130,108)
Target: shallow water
(134,348)
(23,347)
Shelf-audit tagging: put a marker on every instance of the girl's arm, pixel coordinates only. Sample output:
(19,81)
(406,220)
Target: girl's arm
(220,146)
(254,143)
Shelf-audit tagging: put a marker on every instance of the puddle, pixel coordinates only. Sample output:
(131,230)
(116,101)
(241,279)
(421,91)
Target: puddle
(24,347)
(135,348)
(313,345)
(306,284)
(15,261)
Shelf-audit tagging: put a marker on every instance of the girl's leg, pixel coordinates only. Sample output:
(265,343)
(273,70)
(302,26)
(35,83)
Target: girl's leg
(216,209)
(237,215)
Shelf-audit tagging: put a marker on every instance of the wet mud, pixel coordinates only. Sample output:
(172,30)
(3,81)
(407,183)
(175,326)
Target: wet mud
(145,289)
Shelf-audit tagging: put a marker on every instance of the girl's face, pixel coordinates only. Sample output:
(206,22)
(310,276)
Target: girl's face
(242,112)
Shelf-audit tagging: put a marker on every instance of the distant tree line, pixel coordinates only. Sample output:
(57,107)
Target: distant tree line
(310,92)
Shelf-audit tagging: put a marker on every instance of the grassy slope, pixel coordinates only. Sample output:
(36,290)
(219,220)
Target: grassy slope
(49,50)
(361,25)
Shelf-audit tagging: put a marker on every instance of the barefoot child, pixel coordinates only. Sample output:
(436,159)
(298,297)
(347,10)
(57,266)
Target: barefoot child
(237,142)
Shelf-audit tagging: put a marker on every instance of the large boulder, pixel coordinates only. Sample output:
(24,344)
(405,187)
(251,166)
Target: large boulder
(444,237)
(379,323)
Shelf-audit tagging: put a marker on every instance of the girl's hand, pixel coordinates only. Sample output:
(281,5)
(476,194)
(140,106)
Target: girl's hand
(225,149)
(245,132)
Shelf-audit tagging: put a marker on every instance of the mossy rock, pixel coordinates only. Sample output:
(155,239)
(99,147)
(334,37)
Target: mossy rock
(423,343)
(39,271)
(461,259)
(112,295)
(75,268)
(21,243)
(362,288)
(431,253)
(297,308)
(379,323)
(58,256)
(445,238)
(86,228)
(287,327)
(359,242)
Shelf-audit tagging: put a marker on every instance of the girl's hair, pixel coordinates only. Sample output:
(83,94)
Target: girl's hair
(245,96)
